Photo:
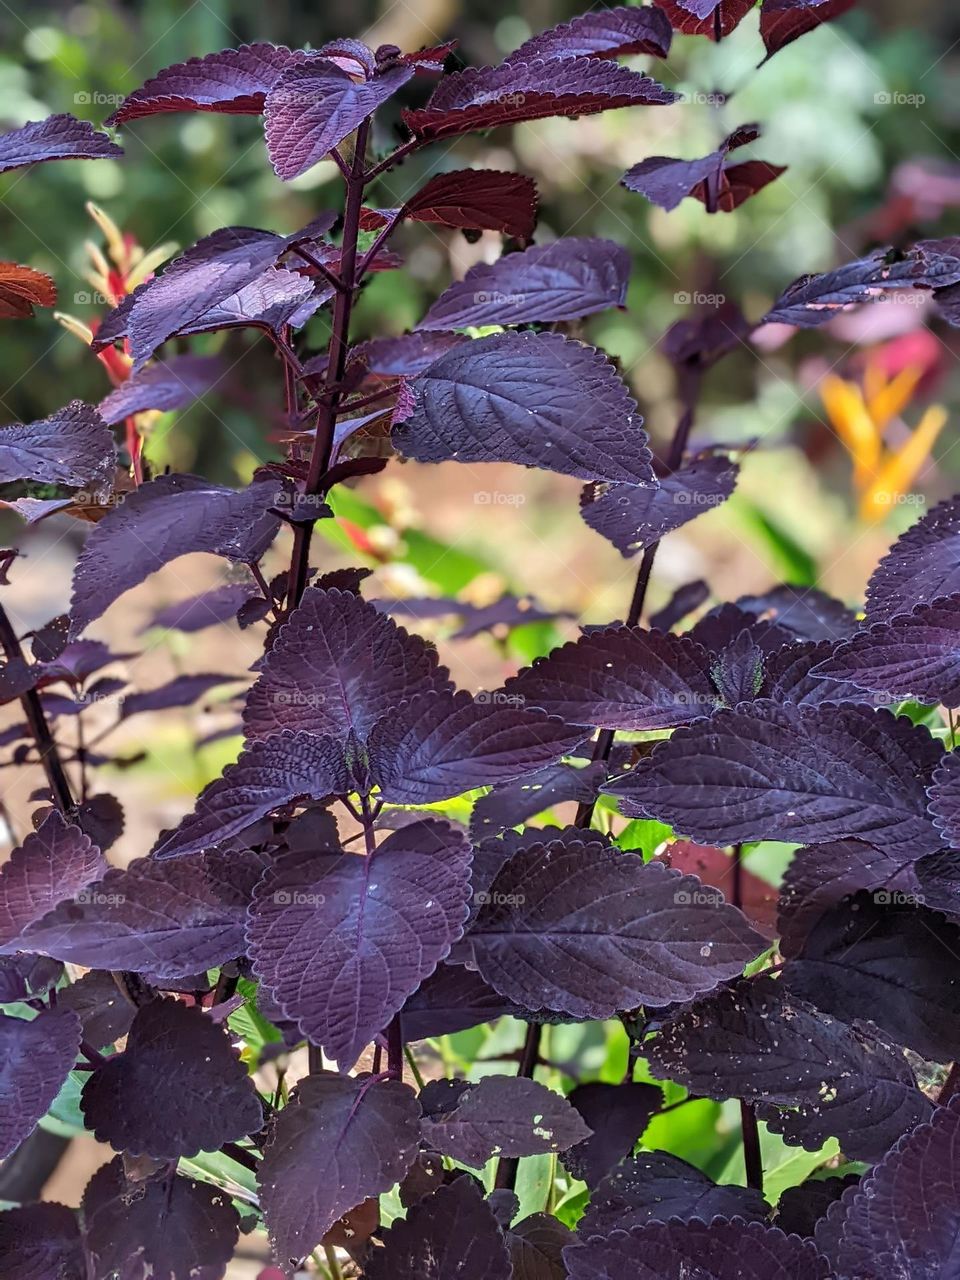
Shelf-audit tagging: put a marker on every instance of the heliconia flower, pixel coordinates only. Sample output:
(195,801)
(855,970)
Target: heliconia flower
(861,414)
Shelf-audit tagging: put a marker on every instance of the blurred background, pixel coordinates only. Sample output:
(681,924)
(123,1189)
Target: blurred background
(866,114)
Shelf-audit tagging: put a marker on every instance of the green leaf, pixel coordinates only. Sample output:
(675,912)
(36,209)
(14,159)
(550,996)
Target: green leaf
(644,835)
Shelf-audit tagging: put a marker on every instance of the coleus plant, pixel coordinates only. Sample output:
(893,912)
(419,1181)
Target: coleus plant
(319,893)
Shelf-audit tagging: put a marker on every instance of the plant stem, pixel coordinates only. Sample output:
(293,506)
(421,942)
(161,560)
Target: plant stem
(752,1158)
(336,361)
(689,392)
(333,1263)
(529,1058)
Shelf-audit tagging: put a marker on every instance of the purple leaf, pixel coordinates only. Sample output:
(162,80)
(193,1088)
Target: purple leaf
(758,1043)
(922,565)
(582,929)
(783,21)
(73,446)
(779,772)
(171,516)
(220,604)
(35,1059)
(274,299)
(633,517)
(513,803)
(235,81)
(536,399)
(171,385)
(41,1242)
(178,1087)
(571,277)
(621,678)
(61,137)
(878,955)
(699,341)
(812,300)
(944,795)
(181,691)
(368,930)
(106,1015)
(808,613)
(788,677)
(903,1218)
(268,775)
(719,1250)
(800,1208)
(169,921)
(712,180)
(336,667)
(54,863)
(314,105)
(452,999)
(477,199)
(164,1228)
(407,356)
(452,1232)
(438,745)
(656,1186)
(712,18)
(24,977)
(336,1142)
(498,1116)
(618,1114)
(683,602)
(601,33)
(484,97)
(536,1247)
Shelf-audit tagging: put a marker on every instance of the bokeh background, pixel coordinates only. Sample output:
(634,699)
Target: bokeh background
(866,114)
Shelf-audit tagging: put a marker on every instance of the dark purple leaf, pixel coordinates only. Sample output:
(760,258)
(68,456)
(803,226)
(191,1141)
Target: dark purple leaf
(368,930)
(513,803)
(800,1208)
(499,1116)
(587,930)
(106,1015)
(618,1115)
(314,105)
(336,667)
(220,604)
(477,199)
(54,863)
(601,33)
(165,1228)
(169,517)
(235,81)
(812,300)
(101,817)
(450,1233)
(712,18)
(536,399)
(787,677)
(35,1059)
(484,97)
(914,656)
(783,21)
(621,678)
(712,180)
(167,920)
(41,1242)
(181,691)
(633,517)
(439,745)
(656,1186)
(879,956)
(571,277)
(903,1219)
(61,137)
(922,565)
(336,1142)
(406,356)
(73,446)
(698,342)
(269,775)
(172,384)
(25,977)
(452,999)
(719,1250)
(178,1087)
(732,633)
(502,615)
(276,298)
(758,1043)
(536,1247)
(682,603)
(780,772)
(808,613)
(822,875)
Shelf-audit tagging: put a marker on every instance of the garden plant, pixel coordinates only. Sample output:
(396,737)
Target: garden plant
(380,870)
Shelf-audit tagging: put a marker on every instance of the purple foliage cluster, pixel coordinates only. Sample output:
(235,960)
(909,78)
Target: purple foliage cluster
(772,718)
